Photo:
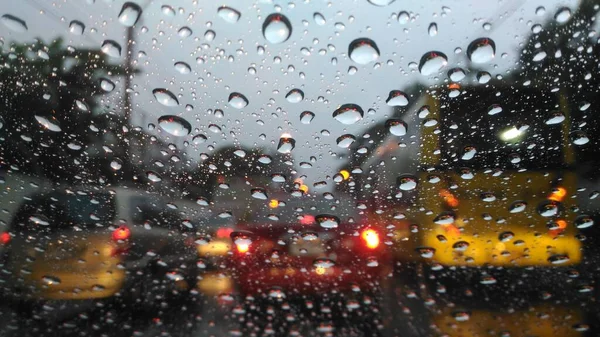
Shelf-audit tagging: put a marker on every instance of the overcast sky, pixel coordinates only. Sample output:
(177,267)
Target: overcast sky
(234,50)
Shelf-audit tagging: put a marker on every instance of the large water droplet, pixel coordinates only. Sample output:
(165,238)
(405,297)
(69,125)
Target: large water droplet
(306,117)
(286,144)
(319,19)
(548,208)
(295,96)
(130,14)
(403,18)
(381,3)
(579,137)
(165,97)
(167,10)
(153,177)
(111,48)
(517,206)
(562,15)
(432,62)
(228,14)
(407,182)
(445,218)
(327,221)
(276,28)
(348,114)
(433,29)
(237,100)
(344,141)
(175,125)
(76,27)
(259,193)
(363,51)
(481,50)
(107,85)
(397,98)
(555,117)
(397,127)
(14,23)
(183,68)
(184,32)
(50,123)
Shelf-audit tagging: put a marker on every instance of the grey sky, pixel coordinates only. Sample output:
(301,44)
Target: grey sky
(209,84)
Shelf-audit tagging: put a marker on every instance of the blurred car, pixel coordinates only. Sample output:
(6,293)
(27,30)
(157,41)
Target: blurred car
(73,245)
(301,258)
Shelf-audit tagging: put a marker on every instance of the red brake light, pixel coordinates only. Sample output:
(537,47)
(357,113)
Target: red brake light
(121,234)
(371,238)
(4,238)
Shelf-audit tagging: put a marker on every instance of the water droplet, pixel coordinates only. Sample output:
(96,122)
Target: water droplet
(319,19)
(536,29)
(153,177)
(488,280)
(130,14)
(548,208)
(397,127)
(344,141)
(107,85)
(426,252)
(277,28)
(348,114)
(558,259)
(229,14)
(468,153)
(76,27)
(487,26)
(584,221)
(116,164)
(306,117)
(50,123)
(407,182)
(488,197)
(397,98)
(175,125)
(461,316)
(295,96)
(199,139)
(14,23)
(286,144)
(432,62)
(381,3)
(433,29)
(182,68)
(481,50)
(460,246)
(494,109)
(327,221)
(111,48)
(214,128)
(506,236)
(184,32)
(259,193)
(517,206)
(209,35)
(445,218)
(456,74)
(238,100)
(483,77)
(167,10)
(541,10)
(363,51)
(579,138)
(51,280)
(555,117)
(562,15)
(165,97)
(403,18)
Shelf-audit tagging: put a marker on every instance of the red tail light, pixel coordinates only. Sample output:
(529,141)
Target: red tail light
(371,238)
(224,232)
(4,238)
(121,234)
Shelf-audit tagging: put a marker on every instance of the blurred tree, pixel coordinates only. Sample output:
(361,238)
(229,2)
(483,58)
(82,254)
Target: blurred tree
(48,107)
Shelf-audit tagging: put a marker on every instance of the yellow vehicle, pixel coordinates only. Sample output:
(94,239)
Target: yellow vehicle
(495,179)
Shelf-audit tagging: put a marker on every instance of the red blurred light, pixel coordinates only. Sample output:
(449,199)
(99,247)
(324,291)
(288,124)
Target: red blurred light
(121,234)
(4,238)
(307,219)
(224,232)
(371,238)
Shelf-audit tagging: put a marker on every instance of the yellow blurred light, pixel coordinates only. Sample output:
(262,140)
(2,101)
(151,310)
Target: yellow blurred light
(304,188)
(511,134)
(371,238)
(345,174)
(243,247)
(558,195)
(273,203)
(320,270)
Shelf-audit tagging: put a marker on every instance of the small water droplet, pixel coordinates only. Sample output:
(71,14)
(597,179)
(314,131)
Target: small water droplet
(397,127)
(348,114)
(76,27)
(153,177)
(107,85)
(295,96)
(49,123)
(407,182)
(397,98)
(344,141)
(184,32)
(286,144)
(111,48)
(182,68)
(579,137)
(433,29)
(259,193)
(319,19)
(562,15)
(14,23)
(584,221)
(306,117)
(403,18)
